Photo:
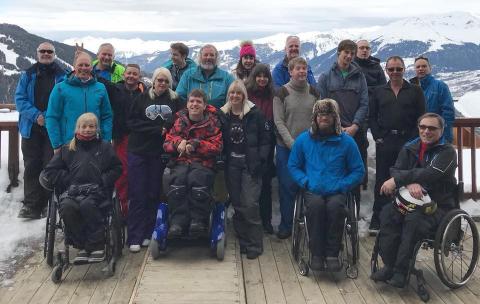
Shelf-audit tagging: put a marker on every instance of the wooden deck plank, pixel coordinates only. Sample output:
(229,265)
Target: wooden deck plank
(271,279)
(89,283)
(291,287)
(69,284)
(46,291)
(238,263)
(308,284)
(254,285)
(126,282)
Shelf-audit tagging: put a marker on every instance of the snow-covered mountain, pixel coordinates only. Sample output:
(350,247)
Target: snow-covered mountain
(451,41)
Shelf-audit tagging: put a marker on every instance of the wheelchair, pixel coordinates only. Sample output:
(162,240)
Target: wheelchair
(217,223)
(114,238)
(455,250)
(350,243)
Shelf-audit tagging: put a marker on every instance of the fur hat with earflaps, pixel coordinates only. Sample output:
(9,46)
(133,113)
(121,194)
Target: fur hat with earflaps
(326,105)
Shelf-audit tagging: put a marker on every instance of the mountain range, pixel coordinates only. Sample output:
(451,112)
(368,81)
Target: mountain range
(451,41)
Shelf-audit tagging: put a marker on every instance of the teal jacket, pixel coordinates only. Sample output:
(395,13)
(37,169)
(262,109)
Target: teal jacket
(177,73)
(70,99)
(215,86)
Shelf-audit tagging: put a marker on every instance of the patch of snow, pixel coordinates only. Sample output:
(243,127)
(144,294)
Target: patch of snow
(469,104)
(10,55)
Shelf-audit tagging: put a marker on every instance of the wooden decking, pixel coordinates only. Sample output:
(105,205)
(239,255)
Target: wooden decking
(187,274)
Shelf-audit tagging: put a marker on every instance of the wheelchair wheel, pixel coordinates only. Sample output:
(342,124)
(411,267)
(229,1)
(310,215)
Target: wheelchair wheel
(117,229)
(374,266)
(300,239)
(57,274)
(50,231)
(351,238)
(456,248)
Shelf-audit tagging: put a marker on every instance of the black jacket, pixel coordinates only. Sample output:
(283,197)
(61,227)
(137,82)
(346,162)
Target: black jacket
(257,138)
(389,112)
(436,173)
(145,136)
(372,70)
(93,162)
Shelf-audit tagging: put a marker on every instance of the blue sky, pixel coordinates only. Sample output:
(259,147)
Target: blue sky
(216,15)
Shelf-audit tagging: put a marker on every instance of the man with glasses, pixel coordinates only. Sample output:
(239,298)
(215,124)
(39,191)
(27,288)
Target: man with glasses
(425,166)
(437,95)
(394,110)
(31,99)
(326,162)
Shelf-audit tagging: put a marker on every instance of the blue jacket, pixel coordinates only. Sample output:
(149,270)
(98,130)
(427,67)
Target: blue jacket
(215,86)
(439,100)
(25,98)
(281,76)
(326,166)
(70,99)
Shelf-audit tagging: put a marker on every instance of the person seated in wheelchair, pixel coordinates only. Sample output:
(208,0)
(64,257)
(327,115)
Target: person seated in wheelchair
(326,162)
(426,168)
(84,172)
(195,141)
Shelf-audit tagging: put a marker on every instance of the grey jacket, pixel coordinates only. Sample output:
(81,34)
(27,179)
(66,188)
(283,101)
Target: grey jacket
(351,93)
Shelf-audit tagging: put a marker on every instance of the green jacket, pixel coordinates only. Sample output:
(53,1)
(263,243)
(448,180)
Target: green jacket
(116,71)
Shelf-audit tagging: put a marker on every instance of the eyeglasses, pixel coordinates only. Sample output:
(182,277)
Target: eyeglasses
(161,80)
(396,69)
(46,51)
(429,128)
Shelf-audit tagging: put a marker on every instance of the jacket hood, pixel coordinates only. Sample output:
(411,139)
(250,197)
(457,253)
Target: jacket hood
(71,79)
(326,105)
(247,106)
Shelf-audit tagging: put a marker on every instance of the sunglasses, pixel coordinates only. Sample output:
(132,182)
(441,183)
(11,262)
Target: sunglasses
(429,128)
(45,51)
(391,70)
(160,80)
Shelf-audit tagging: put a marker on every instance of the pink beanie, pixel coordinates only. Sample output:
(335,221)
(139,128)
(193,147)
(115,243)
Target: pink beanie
(247,49)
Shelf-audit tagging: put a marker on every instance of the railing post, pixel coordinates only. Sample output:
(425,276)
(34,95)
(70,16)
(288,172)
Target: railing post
(473,157)
(460,154)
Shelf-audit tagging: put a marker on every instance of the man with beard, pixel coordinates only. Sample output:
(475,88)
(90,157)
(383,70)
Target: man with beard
(280,73)
(326,163)
(208,77)
(31,99)
(394,110)
(104,66)
(346,84)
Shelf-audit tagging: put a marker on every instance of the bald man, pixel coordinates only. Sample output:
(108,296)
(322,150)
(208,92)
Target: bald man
(31,99)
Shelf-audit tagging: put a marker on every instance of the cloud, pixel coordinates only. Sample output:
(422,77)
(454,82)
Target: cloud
(216,15)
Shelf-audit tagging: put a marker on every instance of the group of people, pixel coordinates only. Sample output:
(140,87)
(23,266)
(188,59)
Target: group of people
(311,134)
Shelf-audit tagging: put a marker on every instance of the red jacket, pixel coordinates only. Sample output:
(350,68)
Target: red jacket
(205,136)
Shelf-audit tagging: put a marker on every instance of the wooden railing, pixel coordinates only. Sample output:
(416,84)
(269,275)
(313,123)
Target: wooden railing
(465,137)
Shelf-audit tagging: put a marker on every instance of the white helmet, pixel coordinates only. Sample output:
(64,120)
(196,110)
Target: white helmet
(405,202)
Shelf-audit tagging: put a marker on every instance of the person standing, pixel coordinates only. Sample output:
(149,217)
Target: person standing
(207,77)
(247,61)
(246,145)
(370,66)
(179,62)
(292,111)
(79,93)
(259,86)
(145,165)
(346,84)
(31,100)
(394,110)
(281,73)
(437,94)
(105,67)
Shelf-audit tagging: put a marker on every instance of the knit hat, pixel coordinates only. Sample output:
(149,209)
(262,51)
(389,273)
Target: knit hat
(246,48)
(326,105)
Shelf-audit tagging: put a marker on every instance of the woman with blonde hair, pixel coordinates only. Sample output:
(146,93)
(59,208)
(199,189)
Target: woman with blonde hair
(84,171)
(246,145)
(145,147)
